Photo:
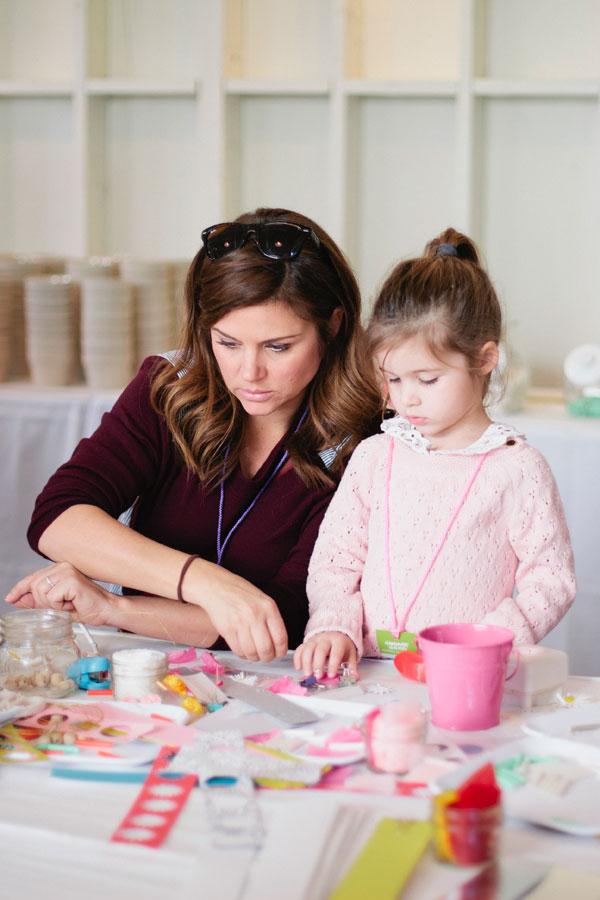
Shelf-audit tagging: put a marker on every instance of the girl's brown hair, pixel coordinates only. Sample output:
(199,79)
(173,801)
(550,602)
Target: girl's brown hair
(342,403)
(444,295)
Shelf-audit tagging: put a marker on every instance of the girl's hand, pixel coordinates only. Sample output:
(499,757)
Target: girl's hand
(62,587)
(326,649)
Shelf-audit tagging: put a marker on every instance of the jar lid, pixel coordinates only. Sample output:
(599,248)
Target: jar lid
(582,365)
(139,660)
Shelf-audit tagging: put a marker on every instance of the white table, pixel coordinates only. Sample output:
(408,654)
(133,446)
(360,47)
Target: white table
(39,428)
(54,832)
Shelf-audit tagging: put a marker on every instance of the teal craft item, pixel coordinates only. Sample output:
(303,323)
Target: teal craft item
(512,773)
(90,672)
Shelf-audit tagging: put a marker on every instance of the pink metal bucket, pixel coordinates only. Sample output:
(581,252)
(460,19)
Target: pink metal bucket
(465,667)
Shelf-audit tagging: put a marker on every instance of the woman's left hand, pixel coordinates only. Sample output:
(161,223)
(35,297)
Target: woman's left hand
(62,587)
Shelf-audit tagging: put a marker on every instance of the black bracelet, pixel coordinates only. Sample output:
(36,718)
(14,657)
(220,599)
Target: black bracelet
(184,569)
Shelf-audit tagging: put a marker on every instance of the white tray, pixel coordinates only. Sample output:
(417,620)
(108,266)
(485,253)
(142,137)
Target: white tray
(577,811)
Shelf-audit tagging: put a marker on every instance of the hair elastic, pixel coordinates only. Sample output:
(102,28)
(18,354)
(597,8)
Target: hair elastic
(446,250)
(184,569)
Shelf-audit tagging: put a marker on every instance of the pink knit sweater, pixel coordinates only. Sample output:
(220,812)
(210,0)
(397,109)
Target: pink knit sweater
(507,560)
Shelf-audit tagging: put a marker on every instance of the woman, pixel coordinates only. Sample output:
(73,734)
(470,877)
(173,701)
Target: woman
(229,453)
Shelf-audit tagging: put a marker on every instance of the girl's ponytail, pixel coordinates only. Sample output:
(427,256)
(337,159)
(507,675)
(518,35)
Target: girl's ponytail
(454,244)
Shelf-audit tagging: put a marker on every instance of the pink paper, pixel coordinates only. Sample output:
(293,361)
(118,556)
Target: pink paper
(209,664)
(182,656)
(344,736)
(172,735)
(286,685)
(315,750)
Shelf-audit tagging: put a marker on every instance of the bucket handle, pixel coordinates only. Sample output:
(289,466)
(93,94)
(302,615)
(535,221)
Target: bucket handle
(517,656)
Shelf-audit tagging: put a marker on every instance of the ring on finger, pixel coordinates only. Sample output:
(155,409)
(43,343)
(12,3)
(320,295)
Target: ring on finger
(50,582)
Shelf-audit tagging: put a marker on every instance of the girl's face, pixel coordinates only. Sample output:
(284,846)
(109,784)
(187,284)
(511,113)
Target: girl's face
(267,356)
(441,397)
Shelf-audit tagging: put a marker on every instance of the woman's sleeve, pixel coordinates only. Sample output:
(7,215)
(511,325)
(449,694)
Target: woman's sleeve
(336,567)
(538,533)
(112,467)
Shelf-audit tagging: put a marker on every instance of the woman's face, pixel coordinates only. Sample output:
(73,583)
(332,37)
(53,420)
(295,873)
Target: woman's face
(267,356)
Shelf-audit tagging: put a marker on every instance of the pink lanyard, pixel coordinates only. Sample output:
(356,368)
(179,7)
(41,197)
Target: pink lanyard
(398,626)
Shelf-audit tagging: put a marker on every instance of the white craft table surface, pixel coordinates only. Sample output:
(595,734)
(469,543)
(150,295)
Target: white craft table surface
(54,832)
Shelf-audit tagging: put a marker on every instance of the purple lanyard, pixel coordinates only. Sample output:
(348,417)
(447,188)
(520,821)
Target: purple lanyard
(221,544)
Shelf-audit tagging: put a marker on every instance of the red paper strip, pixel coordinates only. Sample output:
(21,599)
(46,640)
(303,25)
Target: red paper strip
(157,806)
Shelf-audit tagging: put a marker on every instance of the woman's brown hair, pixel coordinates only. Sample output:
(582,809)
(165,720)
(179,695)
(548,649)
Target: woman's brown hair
(342,403)
(445,295)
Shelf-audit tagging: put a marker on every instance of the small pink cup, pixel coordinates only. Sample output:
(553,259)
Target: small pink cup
(465,667)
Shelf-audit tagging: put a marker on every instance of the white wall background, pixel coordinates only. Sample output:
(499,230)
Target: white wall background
(129,125)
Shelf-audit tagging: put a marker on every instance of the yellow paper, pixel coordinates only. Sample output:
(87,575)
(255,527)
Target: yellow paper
(386,862)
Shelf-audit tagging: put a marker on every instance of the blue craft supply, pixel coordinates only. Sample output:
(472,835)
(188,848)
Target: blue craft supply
(310,681)
(91,672)
(137,776)
(470,748)
(213,707)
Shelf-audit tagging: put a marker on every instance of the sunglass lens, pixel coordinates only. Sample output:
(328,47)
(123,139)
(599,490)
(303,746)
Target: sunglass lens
(280,240)
(223,239)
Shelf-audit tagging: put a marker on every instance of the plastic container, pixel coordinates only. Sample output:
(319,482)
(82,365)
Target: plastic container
(38,650)
(466,837)
(394,737)
(135,672)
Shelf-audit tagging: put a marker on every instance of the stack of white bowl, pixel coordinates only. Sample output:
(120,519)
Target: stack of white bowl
(88,267)
(11,314)
(107,332)
(151,281)
(13,270)
(51,338)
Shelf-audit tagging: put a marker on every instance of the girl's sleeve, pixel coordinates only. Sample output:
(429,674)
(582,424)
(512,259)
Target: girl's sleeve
(538,533)
(112,467)
(336,566)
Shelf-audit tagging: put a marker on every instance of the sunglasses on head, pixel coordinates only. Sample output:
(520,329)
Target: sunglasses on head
(275,240)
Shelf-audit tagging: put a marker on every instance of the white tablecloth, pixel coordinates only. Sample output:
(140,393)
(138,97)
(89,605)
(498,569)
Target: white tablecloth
(54,833)
(40,427)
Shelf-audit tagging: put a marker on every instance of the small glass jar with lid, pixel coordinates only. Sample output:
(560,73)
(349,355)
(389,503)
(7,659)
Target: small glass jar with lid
(37,652)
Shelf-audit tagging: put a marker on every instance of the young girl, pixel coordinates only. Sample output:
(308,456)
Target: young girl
(447,516)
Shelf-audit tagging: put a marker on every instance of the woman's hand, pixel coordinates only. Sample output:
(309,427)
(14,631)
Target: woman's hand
(62,587)
(328,649)
(243,615)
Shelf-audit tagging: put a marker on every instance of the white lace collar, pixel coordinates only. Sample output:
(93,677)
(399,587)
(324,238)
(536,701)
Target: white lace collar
(495,435)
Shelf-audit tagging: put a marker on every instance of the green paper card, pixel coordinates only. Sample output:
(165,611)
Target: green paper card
(386,862)
(389,644)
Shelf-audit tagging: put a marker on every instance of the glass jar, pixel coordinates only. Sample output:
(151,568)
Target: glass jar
(394,737)
(466,837)
(38,650)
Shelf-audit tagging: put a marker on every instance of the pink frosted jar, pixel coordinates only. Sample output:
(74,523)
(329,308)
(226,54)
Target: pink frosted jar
(394,737)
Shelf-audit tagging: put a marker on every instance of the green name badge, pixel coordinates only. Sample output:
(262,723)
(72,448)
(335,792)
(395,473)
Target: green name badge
(389,644)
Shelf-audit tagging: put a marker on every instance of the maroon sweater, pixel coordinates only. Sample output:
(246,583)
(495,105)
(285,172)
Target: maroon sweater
(131,459)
